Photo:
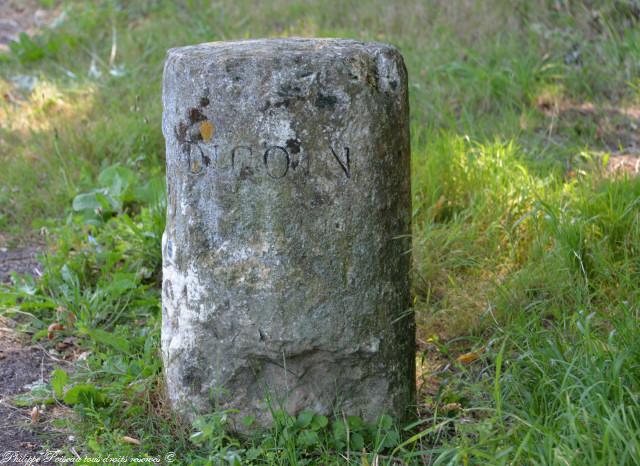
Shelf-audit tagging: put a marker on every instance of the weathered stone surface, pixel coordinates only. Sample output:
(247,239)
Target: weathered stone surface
(286,252)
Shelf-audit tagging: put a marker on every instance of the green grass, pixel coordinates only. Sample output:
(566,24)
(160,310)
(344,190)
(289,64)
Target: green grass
(525,252)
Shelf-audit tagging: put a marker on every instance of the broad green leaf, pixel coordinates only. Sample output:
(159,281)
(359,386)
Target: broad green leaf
(308,438)
(339,432)
(355,422)
(85,394)
(119,283)
(385,422)
(96,199)
(68,275)
(319,422)
(109,339)
(357,441)
(86,201)
(118,180)
(304,419)
(151,192)
(39,394)
(108,203)
(391,439)
(59,379)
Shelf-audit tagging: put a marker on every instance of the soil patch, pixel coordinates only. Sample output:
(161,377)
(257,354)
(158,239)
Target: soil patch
(20,260)
(615,130)
(21,367)
(18,16)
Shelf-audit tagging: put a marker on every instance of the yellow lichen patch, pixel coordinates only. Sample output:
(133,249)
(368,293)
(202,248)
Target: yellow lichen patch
(206,130)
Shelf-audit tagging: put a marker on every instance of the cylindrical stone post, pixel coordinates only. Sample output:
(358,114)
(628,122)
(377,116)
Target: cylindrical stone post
(286,253)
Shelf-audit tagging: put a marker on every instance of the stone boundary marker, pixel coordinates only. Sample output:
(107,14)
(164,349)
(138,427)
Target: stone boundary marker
(286,252)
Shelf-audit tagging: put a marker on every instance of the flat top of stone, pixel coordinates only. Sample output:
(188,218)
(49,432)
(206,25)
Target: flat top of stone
(271,47)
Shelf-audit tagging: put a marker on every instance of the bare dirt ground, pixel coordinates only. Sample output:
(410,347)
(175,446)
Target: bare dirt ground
(22,366)
(616,130)
(19,260)
(22,432)
(18,16)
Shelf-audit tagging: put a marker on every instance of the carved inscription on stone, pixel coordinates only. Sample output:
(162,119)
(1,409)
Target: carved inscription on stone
(274,161)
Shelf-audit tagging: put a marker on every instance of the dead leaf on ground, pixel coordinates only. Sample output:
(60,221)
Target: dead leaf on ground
(468,358)
(35,415)
(54,328)
(623,163)
(451,407)
(131,440)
